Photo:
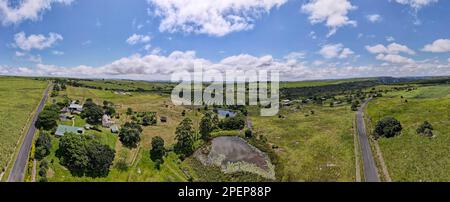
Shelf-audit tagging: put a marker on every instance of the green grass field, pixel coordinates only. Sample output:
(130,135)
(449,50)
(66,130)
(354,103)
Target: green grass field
(409,156)
(19,97)
(316,147)
(298,84)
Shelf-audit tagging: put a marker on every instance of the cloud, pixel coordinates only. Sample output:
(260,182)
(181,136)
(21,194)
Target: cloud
(136,38)
(393,48)
(29,57)
(438,46)
(215,18)
(392,58)
(416,4)
(390,39)
(26,10)
(391,53)
(297,56)
(374,18)
(330,51)
(39,42)
(160,67)
(56,52)
(332,13)
(86,43)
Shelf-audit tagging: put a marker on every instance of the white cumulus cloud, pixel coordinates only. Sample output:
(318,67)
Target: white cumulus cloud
(137,38)
(26,10)
(329,51)
(212,17)
(393,48)
(35,41)
(393,58)
(374,18)
(438,46)
(332,12)
(416,4)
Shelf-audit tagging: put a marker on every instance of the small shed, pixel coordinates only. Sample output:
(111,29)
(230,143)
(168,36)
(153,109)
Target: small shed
(62,129)
(114,129)
(163,119)
(106,121)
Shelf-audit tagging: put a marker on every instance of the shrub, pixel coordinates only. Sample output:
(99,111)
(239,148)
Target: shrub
(388,127)
(425,129)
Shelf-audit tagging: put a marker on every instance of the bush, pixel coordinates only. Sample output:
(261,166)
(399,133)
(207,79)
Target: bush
(84,156)
(232,123)
(47,119)
(158,151)
(248,133)
(130,134)
(388,127)
(43,145)
(425,129)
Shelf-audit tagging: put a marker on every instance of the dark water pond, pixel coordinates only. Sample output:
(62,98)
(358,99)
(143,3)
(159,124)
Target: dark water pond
(223,113)
(235,149)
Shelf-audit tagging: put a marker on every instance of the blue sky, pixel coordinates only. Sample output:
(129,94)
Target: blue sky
(303,39)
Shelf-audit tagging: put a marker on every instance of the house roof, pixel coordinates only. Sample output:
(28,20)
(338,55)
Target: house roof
(76,106)
(62,129)
(114,128)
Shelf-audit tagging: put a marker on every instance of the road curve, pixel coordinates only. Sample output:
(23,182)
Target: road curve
(370,169)
(18,170)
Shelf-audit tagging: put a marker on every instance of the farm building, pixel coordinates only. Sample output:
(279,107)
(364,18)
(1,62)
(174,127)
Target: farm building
(62,129)
(106,121)
(163,119)
(75,108)
(114,129)
(64,110)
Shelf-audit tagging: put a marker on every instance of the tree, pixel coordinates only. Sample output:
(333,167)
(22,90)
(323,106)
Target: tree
(425,129)
(149,119)
(100,159)
(47,119)
(43,145)
(215,121)
(355,105)
(232,123)
(92,112)
(206,126)
(84,155)
(130,134)
(158,151)
(248,133)
(388,127)
(184,137)
(72,153)
(129,111)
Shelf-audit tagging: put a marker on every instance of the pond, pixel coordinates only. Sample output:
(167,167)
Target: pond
(234,154)
(223,113)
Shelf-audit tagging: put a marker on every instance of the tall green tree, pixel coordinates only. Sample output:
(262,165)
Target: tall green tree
(43,145)
(184,136)
(158,151)
(206,126)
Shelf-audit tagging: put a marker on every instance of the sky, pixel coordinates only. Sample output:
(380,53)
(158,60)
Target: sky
(151,39)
